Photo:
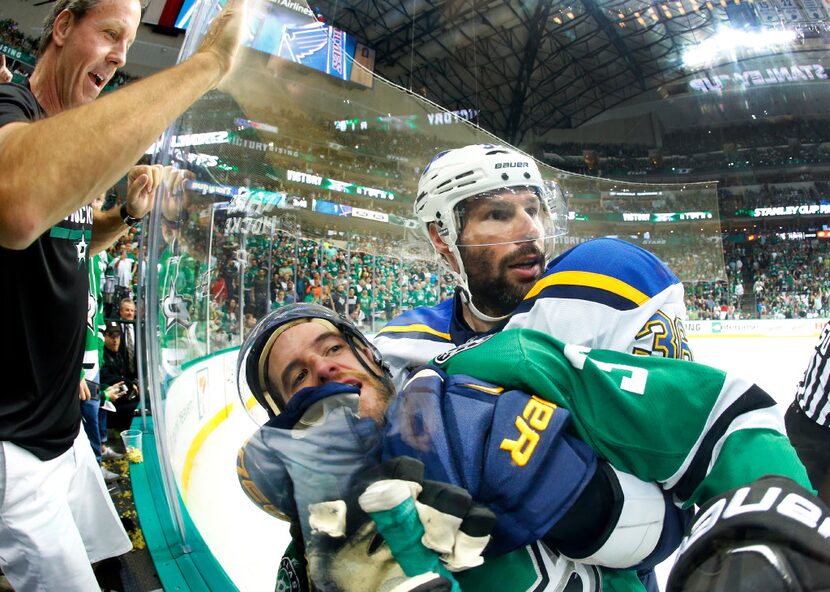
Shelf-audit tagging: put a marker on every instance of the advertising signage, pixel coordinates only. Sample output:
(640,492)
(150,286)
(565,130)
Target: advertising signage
(406,122)
(17,54)
(802,210)
(744,79)
(247,202)
(643,217)
(339,186)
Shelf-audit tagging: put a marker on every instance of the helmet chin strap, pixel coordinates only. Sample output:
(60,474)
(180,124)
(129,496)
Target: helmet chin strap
(467,294)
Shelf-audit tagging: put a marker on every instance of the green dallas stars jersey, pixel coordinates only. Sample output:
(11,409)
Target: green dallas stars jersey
(93,351)
(181,288)
(695,430)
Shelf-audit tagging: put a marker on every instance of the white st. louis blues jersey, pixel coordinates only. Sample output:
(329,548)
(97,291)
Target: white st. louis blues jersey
(604,294)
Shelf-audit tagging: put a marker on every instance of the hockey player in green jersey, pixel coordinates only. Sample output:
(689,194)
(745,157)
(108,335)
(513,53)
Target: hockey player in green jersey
(693,429)
(728,435)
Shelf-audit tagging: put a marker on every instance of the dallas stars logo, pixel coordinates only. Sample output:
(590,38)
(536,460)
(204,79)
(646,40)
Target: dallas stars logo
(91,309)
(81,248)
(174,308)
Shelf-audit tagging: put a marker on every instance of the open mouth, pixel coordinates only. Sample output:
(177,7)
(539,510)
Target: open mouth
(352,382)
(96,79)
(529,262)
(527,268)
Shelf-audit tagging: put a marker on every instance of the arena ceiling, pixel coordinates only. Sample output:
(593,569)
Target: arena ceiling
(528,66)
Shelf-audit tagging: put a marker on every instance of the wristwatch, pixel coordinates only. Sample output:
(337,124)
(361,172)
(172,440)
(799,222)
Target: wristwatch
(125,216)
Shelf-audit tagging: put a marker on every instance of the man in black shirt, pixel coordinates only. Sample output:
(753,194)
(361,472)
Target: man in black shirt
(59,148)
(114,371)
(126,312)
(339,299)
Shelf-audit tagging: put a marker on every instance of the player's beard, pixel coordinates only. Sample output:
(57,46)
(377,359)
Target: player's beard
(491,290)
(377,390)
(375,400)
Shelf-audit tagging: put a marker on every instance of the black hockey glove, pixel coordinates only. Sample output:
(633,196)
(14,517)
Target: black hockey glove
(770,536)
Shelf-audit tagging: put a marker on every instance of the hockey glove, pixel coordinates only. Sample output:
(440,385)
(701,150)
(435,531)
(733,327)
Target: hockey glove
(453,525)
(770,535)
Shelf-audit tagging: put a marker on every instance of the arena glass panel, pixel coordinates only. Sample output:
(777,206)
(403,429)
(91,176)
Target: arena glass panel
(289,172)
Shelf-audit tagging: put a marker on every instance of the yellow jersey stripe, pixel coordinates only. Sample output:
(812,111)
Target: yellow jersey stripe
(494,390)
(418,328)
(590,279)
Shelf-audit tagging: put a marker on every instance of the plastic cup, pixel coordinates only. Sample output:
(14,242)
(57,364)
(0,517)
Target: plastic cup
(132,445)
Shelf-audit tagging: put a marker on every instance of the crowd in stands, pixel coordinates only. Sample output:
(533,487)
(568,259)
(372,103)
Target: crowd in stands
(370,289)
(10,34)
(684,164)
(760,144)
(766,278)
(757,135)
(777,279)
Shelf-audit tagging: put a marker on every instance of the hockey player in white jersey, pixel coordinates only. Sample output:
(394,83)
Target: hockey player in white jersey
(492,219)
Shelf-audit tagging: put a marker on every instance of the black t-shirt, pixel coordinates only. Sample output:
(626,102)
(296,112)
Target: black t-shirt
(339,302)
(43,297)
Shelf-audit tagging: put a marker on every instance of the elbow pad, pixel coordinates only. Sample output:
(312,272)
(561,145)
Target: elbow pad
(642,527)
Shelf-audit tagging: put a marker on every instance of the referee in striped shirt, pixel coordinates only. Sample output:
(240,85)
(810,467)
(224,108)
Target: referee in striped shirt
(808,418)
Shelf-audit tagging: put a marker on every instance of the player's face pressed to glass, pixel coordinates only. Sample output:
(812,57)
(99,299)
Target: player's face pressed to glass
(501,273)
(311,354)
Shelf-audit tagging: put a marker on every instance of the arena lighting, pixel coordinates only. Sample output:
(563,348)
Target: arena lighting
(727,41)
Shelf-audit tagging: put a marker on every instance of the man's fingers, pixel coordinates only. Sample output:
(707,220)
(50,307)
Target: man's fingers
(5,73)
(141,182)
(84,391)
(172,178)
(225,34)
(157,174)
(143,169)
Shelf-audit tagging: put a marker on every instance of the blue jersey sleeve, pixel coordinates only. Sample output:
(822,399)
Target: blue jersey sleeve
(264,478)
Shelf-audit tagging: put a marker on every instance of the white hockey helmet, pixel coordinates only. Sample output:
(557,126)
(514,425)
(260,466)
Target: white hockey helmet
(455,175)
